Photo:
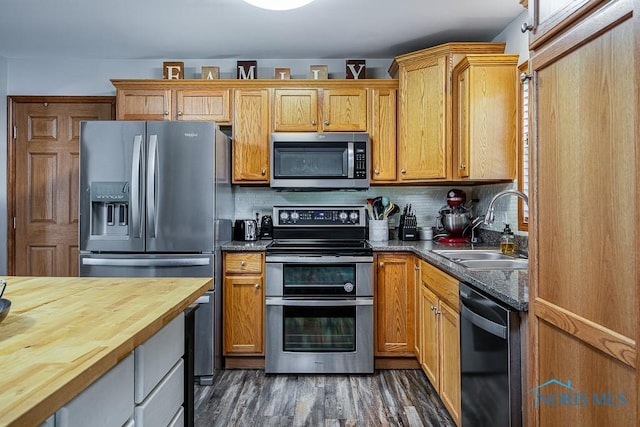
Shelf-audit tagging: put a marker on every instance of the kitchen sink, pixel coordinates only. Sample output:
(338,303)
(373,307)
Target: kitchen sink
(483,259)
(495,264)
(463,254)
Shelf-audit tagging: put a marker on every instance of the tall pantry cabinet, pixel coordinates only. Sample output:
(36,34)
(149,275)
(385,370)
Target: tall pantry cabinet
(583,310)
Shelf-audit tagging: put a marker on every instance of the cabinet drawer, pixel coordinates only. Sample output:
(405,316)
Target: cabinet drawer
(243,263)
(156,356)
(106,402)
(162,404)
(443,285)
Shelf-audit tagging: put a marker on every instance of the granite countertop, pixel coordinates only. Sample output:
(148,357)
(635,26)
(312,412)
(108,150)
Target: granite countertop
(508,286)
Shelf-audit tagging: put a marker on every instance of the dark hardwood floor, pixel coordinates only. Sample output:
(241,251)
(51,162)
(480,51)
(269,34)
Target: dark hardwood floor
(386,398)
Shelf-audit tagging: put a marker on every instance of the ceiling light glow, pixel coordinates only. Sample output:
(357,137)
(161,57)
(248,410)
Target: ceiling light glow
(279,4)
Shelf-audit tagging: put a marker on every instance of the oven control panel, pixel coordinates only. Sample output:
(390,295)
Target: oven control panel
(319,216)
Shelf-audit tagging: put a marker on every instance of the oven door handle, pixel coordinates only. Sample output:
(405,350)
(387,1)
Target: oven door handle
(317,259)
(314,303)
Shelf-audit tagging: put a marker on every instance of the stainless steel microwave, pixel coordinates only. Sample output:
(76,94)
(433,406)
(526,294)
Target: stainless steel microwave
(310,161)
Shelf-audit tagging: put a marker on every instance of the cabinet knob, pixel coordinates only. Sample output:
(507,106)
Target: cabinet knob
(403,171)
(526,27)
(166,113)
(463,166)
(416,268)
(257,286)
(376,171)
(433,308)
(524,77)
(437,312)
(179,113)
(263,171)
(326,122)
(381,264)
(243,263)
(313,122)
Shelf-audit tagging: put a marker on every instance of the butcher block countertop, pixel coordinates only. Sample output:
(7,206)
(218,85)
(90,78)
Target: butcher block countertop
(64,333)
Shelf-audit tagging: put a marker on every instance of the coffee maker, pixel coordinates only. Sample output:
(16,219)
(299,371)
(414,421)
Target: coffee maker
(453,218)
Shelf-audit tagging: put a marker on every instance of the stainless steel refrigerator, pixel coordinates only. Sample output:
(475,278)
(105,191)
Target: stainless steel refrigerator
(156,201)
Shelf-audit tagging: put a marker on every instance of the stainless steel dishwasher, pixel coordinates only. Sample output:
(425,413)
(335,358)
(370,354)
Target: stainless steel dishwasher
(489,361)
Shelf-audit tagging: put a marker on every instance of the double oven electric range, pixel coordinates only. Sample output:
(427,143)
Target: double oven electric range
(319,291)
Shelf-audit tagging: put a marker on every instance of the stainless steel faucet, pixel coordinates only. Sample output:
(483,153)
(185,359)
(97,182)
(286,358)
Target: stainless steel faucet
(489,217)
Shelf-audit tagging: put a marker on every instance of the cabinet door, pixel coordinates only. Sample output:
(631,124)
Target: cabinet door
(461,122)
(382,132)
(143,104)
(210,105)
(422,149)
(344,110)
(394,305)
(416,306)
(295,110)
(449,331)
(430,354)
(243,314)
(251,136)
(586,143)
(550,17)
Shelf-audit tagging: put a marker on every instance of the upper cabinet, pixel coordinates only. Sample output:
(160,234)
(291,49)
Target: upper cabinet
(548,18)
(484,117)
(320,110)
(382,132)
(424,147)
(160,101)
(251,136)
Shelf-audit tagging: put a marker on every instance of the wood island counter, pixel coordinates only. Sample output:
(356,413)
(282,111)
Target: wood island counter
(64,333)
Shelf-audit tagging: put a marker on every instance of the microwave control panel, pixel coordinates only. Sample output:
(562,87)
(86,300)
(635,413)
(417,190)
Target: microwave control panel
(360,166)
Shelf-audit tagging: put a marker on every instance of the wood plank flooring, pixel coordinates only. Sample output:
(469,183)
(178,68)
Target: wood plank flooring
(386,398)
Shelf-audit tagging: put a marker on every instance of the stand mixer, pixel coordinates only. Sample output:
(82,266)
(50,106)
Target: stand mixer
(454,218)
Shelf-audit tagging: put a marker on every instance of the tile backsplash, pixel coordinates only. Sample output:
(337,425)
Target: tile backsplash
(425,201)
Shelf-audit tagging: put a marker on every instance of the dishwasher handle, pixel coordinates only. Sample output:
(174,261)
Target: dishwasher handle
(482,322)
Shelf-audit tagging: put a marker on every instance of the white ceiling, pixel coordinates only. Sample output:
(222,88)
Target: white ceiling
(200,29)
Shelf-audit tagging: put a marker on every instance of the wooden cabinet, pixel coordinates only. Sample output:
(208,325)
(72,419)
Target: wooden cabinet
(484,117)
(143,104)
(204,104)
(440,335)
(394,305)
(424,147)
(251,136)
(383,135)
(548,18)
(168,103)
(320,110)
(243,303)
(583,309)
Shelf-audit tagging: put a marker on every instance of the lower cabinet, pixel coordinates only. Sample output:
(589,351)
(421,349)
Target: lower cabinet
(144,389)
(243,304)
(439,325)
(394,305)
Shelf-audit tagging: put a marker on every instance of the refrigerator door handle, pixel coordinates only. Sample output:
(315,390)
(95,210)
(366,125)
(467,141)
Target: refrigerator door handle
(136,166)
(152,192)
(138,262)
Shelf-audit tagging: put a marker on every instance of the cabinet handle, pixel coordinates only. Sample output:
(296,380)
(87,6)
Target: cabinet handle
(243,263)
(313,122)
(263,171)
(463,166)
(326,122)
(403,171)
(376,171)
(526,27)
(257,286)
(524,77)
(179,113)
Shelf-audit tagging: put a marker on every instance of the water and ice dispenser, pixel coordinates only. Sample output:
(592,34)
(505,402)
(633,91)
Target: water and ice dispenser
(110,208)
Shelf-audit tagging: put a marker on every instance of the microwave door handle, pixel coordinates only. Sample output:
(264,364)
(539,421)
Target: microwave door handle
(136,166)
(350,159)
(151,185)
